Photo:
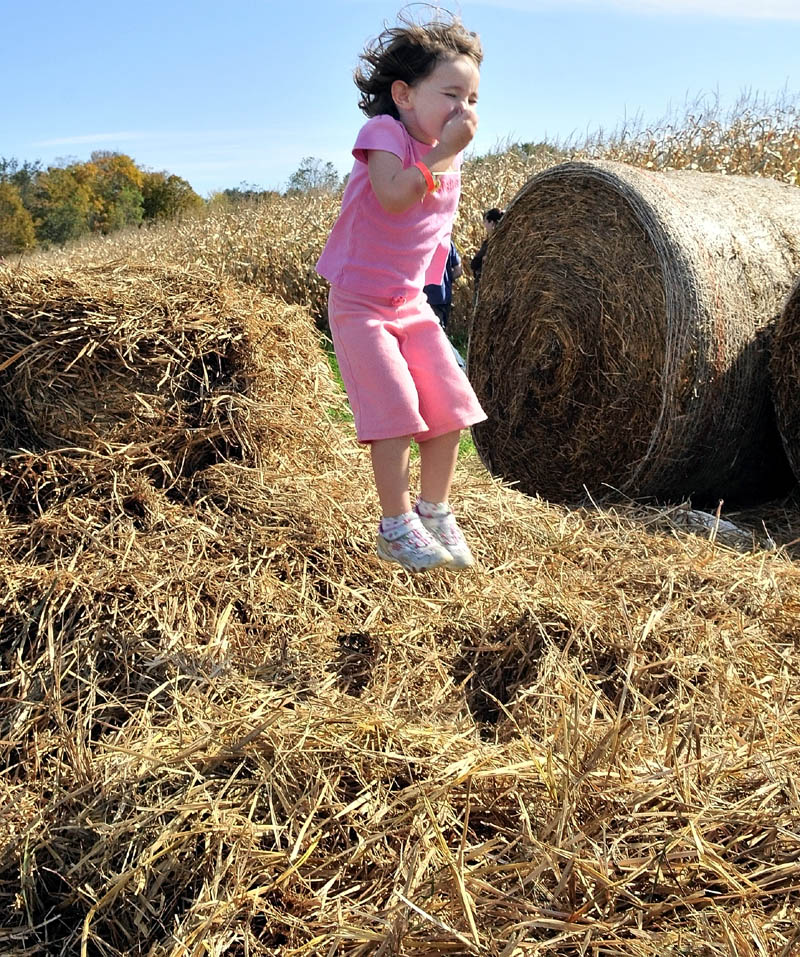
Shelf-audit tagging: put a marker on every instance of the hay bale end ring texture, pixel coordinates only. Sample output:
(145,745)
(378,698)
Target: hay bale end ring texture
(620,338)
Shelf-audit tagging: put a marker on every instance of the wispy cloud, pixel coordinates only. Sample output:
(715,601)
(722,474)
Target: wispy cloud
(154,136)
(127,136)
(725,9)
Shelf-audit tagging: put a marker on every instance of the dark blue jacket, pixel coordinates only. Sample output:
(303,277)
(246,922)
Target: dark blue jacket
(441,295)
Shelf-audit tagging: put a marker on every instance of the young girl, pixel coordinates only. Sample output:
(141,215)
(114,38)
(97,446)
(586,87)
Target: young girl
(419,87)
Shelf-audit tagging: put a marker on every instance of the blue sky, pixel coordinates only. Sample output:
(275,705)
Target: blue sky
(223,93)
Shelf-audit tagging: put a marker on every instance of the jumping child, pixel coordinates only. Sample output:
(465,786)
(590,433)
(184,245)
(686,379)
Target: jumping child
(419,88)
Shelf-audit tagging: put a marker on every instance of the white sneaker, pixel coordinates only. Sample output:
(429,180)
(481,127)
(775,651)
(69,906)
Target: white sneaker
(412,547)
(444,529)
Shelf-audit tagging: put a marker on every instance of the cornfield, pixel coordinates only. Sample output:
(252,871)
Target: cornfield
(274,244)
(229,731)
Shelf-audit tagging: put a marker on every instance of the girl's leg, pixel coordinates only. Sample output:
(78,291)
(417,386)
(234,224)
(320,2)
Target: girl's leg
(401,535)
(437,466)
(390,467)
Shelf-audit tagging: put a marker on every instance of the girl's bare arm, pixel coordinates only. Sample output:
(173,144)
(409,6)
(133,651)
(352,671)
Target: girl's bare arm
(398,189)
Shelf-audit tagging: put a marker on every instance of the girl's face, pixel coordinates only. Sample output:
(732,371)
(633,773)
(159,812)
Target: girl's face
(424,107)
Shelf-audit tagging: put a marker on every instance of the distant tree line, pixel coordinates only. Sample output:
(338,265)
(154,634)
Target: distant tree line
(43,207)
(51,206)
(243,193)
(313,175)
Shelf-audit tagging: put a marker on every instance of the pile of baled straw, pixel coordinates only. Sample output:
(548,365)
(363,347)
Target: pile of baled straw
(619,342)
(228,730)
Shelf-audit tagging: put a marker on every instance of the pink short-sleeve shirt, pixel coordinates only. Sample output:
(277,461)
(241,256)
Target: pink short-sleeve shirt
(378,253)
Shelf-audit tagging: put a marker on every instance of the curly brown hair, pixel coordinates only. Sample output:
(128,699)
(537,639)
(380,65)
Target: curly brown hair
(410,52)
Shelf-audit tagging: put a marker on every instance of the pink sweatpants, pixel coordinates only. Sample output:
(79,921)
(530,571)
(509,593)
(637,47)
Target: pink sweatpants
(398,368)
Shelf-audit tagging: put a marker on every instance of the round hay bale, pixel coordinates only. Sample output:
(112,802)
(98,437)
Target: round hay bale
(785,377)
(619,339)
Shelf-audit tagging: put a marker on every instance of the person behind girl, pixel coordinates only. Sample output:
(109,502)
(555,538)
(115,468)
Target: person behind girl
(490,220)
(419,88)
(440,295)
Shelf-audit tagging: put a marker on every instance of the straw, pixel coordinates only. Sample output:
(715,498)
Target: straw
(619,343)
(229,729)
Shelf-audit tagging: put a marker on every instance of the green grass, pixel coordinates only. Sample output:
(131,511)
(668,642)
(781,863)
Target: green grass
(466,447)
(327,345)
(338,414)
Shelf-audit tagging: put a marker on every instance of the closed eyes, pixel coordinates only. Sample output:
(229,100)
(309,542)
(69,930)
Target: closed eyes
(457,96)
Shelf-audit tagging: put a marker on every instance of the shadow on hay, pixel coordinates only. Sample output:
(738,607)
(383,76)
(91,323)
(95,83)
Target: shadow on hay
(785,370)
(56,906)
(508,672)
(766,474)
(492,666)
(354,661)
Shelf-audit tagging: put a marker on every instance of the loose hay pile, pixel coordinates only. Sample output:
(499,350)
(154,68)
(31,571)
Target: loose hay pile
(618,342)
(785,374)
(165,367)
(228,730)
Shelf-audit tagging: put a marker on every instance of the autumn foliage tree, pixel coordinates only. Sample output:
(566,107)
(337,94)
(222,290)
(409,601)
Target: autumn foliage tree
(21,175)
(115,183)
(61,204)
(166,196)
(64,202)
(16,224)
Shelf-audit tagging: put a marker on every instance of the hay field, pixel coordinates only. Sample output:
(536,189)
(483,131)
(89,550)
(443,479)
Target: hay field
(228,729)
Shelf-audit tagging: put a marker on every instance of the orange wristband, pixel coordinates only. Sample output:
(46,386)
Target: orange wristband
(430,182)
